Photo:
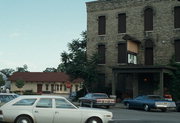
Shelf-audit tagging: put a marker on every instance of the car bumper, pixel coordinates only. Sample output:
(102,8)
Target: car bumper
(104,104)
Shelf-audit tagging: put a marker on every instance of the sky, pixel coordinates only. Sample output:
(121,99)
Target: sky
(36,32)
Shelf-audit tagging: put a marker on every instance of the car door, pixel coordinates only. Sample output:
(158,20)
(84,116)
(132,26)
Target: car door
(43,111)
(65,112)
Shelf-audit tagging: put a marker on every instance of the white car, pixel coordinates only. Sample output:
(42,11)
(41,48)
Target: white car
(50,109)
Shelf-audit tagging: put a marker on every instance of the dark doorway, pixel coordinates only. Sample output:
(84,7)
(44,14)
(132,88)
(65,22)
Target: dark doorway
(39,88)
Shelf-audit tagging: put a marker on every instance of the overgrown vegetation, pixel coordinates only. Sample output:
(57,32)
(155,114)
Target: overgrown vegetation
(175,84)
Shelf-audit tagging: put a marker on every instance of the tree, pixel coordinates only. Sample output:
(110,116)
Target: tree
(2,82)
(75,62)
(22,69)
(8,71)
(50,70)
(19,83)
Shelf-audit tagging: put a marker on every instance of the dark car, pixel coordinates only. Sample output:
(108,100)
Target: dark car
(178,106)
(97,99)
(149,102)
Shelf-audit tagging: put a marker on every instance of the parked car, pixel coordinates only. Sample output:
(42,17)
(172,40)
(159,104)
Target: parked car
(50,109)
(149,102)
(97,99)
(6,97)
(73,96)
(178,106)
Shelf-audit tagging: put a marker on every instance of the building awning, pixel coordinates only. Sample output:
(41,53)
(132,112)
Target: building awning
(142,69)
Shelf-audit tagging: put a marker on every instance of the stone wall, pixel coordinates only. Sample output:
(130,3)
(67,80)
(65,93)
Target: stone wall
(163,34)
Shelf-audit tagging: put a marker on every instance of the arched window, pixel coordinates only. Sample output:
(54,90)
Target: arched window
(148,52)
(177,17)
(148,19)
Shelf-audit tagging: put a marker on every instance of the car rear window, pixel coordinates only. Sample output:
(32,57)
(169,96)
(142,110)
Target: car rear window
(100,96)
(25,102)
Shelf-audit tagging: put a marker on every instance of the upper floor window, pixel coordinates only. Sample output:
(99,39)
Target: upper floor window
(122,53)
(148,19)
(122,23)
(149,52)
(101,25)
(101,54)
(177,50)
(132,58)
(177,17)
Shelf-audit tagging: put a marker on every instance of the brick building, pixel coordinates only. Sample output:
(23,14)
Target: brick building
(135,39)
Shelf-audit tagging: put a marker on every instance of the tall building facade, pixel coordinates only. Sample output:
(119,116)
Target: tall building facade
(135,41)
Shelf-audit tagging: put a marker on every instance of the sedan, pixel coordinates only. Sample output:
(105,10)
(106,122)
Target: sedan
(50,109)
(97,99)
(149,102)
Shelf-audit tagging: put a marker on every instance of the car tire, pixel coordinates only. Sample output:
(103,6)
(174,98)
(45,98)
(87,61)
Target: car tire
(24,119)
(146,107)
(164,110)
(94,120)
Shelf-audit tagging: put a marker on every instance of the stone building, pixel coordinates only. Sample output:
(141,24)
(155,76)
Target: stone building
(135,41)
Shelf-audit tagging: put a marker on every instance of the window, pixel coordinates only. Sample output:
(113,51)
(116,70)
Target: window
(25,102)
(132,58)
(149,52)
(61,103)
(101,54)
(148,19)
(44,103)
(57,87)
(101,25)
(65,88)
(122,23)
(177,50)
(47,87)
(60,87)
(122,53)
(177,17)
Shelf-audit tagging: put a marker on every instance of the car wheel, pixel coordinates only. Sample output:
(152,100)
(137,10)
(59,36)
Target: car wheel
(146,108)
(108,107)
(164,110)
(24,119)
(94,120)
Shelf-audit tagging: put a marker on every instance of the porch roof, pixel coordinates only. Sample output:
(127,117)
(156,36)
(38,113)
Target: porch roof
(142,69)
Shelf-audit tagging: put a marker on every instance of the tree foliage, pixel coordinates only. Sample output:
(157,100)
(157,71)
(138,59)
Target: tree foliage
(8,71)
(175,83)
(22,69)
(2,82)
(75,62)
(19,83)
(50,70)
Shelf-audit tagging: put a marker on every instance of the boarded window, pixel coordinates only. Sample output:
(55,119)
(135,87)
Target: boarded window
(177,50)
(101,54)
(122,53)
(177,17)
(102,25)
(122,23)
(148,19)
(148,52)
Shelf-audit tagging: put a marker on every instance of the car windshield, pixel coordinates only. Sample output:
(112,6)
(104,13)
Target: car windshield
(155,97)
(100,96)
